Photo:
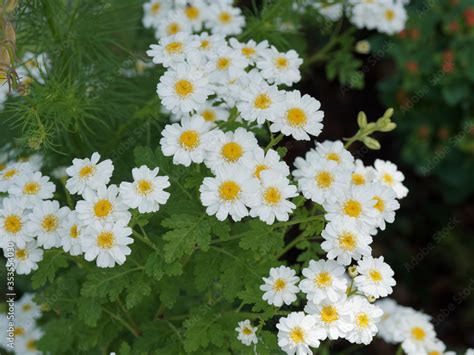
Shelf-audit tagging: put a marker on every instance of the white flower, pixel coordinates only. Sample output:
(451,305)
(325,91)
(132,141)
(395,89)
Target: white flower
(392,320)
(251,50)
(364,318)
(387,174)
(275,190)
(46,223)
(346,239)
(13,220)
(186,141)
(280,287)
(146,192)
(280,68)
(386,204)
(183,89)
(225,20)
(108,243)
(195,12)
(154,11)
(173,50)
(260,102)
(418,332)
(229,193)
(365,14)
(224,64)
(32,187)
(26,259)
(11,172)
(437,347)
(335,151)
(73,231)
(332,12)
(375,277)
(212,112)
(297,333)
(208,44)
(319,179)
(324,280)
(173,23)
(88,174)
(391,18)
(246,333)
(362,175)
(333,318)
(230,148)
(260,161)
(103,205)
(27,309)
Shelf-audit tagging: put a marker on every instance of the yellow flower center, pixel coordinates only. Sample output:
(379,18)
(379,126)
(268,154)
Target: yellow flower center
(7,175)
(380,205)
(174,47)
(50,223)
(102,208)
(232,151)
(229,190)
(279,285)
(209,115)
(329,314)
(184,88)
(26,307)
(362,320)
(247,331)
(434,353)
(144,187)
(388,179)
(353,208)
(31,345)
(296,117)
(334,157)
(86,171)
(105,240)
(358,179)
(31,188)
(323,279)
(258,170)
(248,51)
(205,44)
(281,63)
(375,275)
(347,241)
(223,63)
(189,140)
(272,196)
(74,231)
(173,28)
(324,179)
(19,331)
(12,224)
(192,12)
(389,15)
(297,335)
(262,102)
(418,333)
(155,8)
(21,254)
(225,17)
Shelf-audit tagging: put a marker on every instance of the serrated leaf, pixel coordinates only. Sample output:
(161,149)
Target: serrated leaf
(48,267)
(89,310)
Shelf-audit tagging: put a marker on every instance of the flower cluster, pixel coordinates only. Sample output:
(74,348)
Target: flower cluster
(98,225)
(23,330)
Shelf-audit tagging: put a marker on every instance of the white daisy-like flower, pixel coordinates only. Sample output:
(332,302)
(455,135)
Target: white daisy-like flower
(195,13)
(437,347)
(346,240)
(213,112)
(297,333)
(154,11)
(375,277)
(387,174)
(88,174)
(173,23)
(27,309)
(173,50)
(104,205)
(73,230)
(320,179)
(392,17)
(246,333)
(260,102)
(107,243)
(146,192)
(46,221)
(333,318)
(365,13)
(332,12)
(280,68)
(183,89)
(208,43)
(386,204)
(225,20)
(32,187)
(225,63)
(11,172)
(418,332)
(260,161)
(364,318)
(35,161)
(230,148)
(26,259)
(390,329)
(230,192)
(275,190)
(13,221)
(186,141)
(335,151)
(251,50)
(362,175)
(299,118)
(324,280)
(27,343)
(280,287)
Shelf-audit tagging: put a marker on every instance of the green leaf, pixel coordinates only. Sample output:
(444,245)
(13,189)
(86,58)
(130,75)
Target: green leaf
(89,310)
(48,267)
(260,237)
(156,267)
(201,328)
(108,283)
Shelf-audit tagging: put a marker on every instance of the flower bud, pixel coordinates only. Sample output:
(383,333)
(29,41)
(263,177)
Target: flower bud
(352,271)
(371,143)
(362,119)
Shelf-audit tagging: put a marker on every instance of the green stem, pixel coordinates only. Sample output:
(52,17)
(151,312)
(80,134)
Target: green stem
(298,221)
(135,332)
(144,240)
(290,245)
(274,141)
(399,351)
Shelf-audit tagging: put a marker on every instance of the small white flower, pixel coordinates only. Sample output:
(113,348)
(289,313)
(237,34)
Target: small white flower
(335,151)
(108,243)
(391,18)
(332,12)
(260,161)
(280,68)
(364,318)
(173,50)
(26,259)
(73,231)
(375,277)
(299,118)
(88,174)
(46,223)
(154,11)
(173,23)
(392,320)
(212,112)
(195,13)
(333,318)
(13,221)
(297,333)
(324,280)
(225,20)
(229,193)
(186,141)
(103,205)
(11,173)
(418,332)
(364,14)
(32,187)
(387,174)
(146,192)
(346,239)
(386,204)
(208,44)
(224,64)
(27,309)
(362,175)
(280,287)
(251,50)
(246,333)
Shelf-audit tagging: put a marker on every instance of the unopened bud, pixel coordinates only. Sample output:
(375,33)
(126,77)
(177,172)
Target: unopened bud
(362,47)
(352,271)
(371,143)
(371,299)
(362,119)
